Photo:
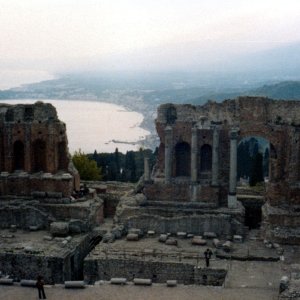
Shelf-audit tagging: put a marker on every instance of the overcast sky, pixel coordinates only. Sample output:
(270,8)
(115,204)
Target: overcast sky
(63,35)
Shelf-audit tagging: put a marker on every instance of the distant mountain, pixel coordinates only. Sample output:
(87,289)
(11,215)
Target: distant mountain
(283,90)
(286,90)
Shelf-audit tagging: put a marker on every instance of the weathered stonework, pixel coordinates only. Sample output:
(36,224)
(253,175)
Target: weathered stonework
(34,151)
(38,191)
(197,158)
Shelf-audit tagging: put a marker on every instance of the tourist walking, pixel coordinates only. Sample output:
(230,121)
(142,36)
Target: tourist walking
(207,254)
(40,286)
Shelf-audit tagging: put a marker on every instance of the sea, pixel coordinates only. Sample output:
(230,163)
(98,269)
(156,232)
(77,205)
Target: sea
(99,126)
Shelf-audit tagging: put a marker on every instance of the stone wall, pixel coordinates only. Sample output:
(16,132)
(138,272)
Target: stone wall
(55,268)
(28,266)
(159,272)
(223,225)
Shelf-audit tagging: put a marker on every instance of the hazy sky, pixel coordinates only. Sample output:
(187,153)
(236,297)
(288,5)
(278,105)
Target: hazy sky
(62,35)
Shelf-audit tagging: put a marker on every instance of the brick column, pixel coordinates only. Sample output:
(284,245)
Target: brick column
(168,154)
(232,201)
(194,155)
(215,158)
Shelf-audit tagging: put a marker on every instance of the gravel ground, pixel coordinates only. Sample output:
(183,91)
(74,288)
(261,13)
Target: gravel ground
(131,292)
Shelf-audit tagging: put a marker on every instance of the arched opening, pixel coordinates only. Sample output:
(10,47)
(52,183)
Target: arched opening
(253,155)
(18,156)
(39,156)
(205,158)
(62,156)
(183,159)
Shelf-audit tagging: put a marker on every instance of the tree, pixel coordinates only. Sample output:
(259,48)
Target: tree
(117,164)
(86,167)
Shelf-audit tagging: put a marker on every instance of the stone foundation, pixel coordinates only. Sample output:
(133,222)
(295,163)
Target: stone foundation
(158,272)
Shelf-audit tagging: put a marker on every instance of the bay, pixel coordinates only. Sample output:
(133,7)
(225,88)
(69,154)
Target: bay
(96,126)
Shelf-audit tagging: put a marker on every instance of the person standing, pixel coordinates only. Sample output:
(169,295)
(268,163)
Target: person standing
(40,286)
(207,254)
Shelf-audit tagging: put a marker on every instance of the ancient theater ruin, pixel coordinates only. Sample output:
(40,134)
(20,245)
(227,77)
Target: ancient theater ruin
(193,185)
(190,199)
(157,230)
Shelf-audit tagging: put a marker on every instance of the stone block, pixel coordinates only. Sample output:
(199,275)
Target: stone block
(171,283)
(209,235)
(217,243)
(237,238)
(59,228)
(108,237)
(69,238)
(6,281)
(142,281)
(118,280)
(26,282)
(132,237)
(7,236)
(197,240)
(47,238)
(74,284)
(162,238)
(34,228)
(77,226)
(28,249)
(171,241)
(64,243)
(13,228)
(136,231)
(148,251)
(151,233)
(227,246)
(181,235)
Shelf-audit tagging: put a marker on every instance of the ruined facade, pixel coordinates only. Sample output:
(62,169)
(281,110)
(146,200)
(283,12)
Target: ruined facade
(197,160)
(34,151)
(44,229)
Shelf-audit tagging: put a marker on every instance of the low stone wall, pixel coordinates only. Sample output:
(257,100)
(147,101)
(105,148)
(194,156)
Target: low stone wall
(24,184)
(23,217)
(280,225)
(54,268)
(222,225)
(182,191)
(29,266)
(159,272)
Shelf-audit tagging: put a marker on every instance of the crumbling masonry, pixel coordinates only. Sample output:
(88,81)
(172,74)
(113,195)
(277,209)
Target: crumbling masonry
(193,185)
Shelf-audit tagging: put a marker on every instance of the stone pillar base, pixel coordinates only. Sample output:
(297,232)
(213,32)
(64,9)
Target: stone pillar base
(232,201)
(194,192)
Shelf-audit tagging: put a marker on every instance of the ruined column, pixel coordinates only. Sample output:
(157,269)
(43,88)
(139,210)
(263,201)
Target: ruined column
(168,154)
(194,154)
(27,147)
(232,201)
(146,169)
(215,157)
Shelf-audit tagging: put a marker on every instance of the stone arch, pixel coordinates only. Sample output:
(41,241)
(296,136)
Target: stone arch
(205,158)
(183,159)
(39,157)
(18,155)
(62,155)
